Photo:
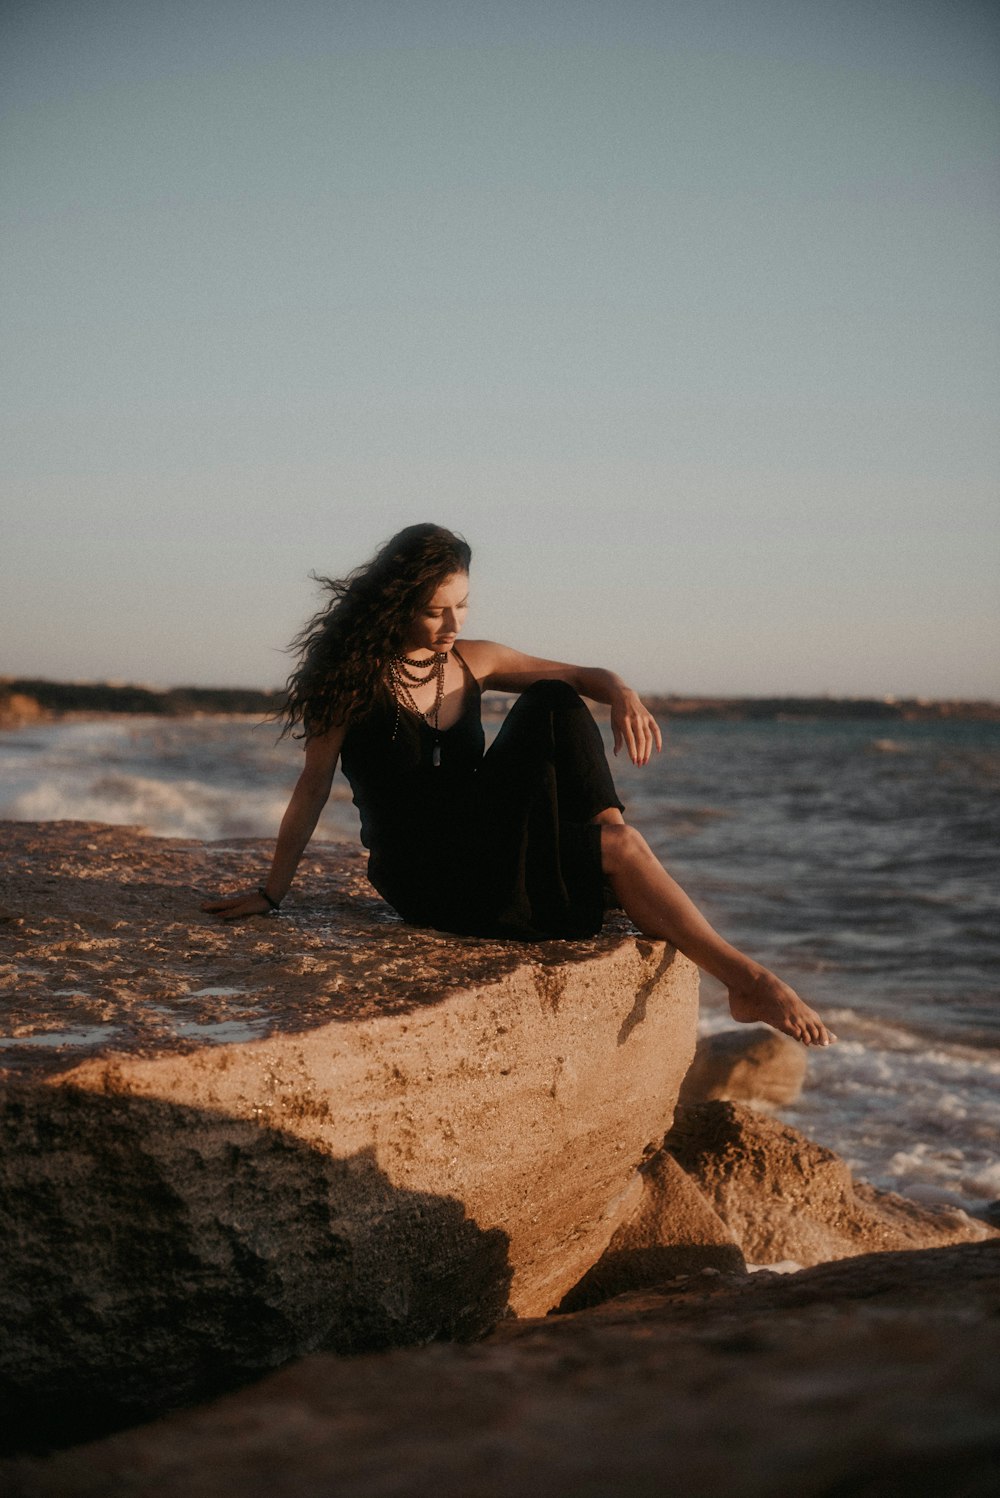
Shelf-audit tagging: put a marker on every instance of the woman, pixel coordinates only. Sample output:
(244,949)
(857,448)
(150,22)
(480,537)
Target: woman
(523,840)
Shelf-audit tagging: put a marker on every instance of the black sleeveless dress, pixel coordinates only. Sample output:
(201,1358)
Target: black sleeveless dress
(488,842)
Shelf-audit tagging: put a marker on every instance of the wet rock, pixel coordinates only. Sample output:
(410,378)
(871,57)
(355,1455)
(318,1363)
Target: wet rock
(223,1146)
(753,1064)
(785,1197)
(877,1377)
(673,1231)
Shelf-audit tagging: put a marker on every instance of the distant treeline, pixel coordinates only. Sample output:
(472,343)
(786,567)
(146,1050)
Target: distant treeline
(22,698)
(102,697)
(779,709)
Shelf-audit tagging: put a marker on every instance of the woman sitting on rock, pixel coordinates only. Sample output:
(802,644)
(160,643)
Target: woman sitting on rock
(522,840)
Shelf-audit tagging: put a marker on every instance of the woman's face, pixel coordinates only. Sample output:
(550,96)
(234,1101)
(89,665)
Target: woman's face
(440,621)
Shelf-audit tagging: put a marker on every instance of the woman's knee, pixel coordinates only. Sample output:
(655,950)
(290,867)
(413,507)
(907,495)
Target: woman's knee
(544,702)
(622,847)
(552,693)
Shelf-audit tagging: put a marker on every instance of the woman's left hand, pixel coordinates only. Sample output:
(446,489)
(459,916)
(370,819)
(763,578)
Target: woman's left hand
(635,727)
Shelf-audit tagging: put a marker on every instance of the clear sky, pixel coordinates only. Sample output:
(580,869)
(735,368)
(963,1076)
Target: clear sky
(685,314)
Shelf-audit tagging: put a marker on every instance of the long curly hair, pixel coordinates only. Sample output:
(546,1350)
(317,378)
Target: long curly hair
(344,648)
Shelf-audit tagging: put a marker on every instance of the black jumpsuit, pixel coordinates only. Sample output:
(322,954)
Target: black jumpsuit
(493,843)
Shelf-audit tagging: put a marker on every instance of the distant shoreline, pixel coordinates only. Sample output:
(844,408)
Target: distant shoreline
(25,700)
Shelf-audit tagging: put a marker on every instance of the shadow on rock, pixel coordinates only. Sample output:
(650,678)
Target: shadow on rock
(156,1254)
(875,1377)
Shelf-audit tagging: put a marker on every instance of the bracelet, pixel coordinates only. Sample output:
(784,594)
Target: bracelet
(274,904)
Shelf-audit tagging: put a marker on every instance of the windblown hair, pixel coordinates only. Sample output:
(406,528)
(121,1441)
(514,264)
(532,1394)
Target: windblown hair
(344,648)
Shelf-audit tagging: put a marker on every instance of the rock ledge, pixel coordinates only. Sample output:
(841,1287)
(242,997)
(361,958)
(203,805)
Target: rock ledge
(226,1146)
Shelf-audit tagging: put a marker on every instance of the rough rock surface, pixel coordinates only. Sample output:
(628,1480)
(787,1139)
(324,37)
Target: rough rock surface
(877,1377)
(223,1146)
(785,1197)
(753,1064)
(673,1230)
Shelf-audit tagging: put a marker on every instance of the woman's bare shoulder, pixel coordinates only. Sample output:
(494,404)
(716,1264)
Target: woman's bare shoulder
(479,655)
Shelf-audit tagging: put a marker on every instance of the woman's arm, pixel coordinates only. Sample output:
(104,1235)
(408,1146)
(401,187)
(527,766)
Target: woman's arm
(311,793)
(502,669)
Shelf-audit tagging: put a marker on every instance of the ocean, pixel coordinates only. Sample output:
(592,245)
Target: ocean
(858,859)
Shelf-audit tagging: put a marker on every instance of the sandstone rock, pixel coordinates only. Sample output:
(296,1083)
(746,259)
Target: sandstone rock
(878,1377)
(674,1230)
(223,1146)
(18,709)
(785,1197)
(753,1064)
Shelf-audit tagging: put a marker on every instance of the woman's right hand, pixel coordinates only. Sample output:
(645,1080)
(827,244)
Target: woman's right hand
(238,907)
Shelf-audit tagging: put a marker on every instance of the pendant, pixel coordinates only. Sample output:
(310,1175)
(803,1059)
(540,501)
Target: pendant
(436,755)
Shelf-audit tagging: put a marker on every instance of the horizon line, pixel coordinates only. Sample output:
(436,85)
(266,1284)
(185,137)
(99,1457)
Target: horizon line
(13,683)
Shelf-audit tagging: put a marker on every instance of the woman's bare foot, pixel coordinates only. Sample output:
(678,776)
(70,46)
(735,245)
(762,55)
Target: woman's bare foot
(765,998)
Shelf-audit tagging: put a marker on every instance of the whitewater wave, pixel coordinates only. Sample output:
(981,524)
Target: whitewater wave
(908,1116)
(168,808)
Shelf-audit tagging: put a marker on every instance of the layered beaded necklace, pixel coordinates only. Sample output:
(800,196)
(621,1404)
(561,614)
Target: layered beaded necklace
(404,673)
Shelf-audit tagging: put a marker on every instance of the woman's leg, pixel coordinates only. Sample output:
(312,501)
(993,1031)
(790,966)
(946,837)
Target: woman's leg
(661,909)
(534,858)
(550,724)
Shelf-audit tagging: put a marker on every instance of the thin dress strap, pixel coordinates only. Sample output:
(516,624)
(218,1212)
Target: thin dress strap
(465,665)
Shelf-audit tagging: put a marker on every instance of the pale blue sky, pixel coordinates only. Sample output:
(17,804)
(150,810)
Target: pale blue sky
(686,315)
